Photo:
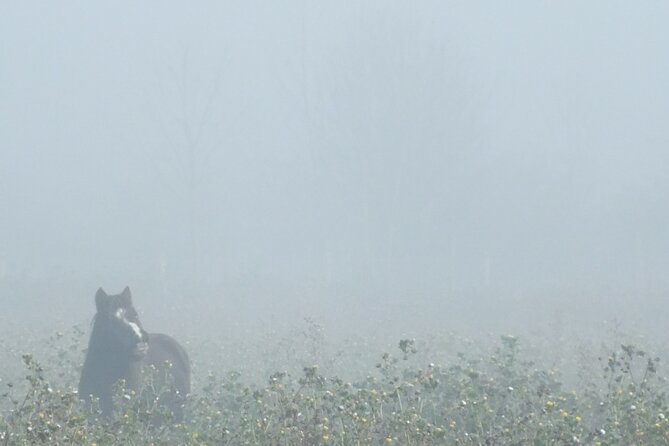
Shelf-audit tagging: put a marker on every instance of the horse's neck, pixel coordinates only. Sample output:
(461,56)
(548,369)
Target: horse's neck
(106,359)
(100,344)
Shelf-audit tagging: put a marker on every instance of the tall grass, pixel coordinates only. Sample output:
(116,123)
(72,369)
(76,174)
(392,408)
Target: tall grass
(442,391)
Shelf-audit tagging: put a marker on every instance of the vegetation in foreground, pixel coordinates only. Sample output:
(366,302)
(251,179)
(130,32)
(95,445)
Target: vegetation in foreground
(500,398)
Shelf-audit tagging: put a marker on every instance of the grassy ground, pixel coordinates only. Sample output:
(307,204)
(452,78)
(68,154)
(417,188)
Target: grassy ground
(299,388)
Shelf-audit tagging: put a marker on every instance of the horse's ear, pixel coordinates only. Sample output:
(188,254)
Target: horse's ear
(100,298)
(126,296)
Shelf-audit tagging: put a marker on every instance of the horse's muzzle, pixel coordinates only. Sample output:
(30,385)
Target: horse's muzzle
(140,350)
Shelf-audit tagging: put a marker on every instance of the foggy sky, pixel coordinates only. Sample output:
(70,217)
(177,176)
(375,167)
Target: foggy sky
(375,150)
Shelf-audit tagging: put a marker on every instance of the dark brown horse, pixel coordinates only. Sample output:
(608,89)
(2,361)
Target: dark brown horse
(120,349)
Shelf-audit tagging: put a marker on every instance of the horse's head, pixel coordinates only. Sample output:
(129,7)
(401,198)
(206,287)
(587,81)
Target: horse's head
(117,321)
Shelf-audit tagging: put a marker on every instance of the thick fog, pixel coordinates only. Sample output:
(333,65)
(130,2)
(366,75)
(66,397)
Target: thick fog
(408,166)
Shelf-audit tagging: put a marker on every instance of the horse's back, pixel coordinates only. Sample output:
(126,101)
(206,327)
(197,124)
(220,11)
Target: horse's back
(164,348)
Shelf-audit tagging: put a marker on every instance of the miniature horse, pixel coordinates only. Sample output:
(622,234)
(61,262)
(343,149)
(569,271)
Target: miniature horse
(120,349)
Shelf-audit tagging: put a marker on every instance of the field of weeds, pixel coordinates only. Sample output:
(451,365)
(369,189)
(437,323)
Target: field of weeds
(300,389)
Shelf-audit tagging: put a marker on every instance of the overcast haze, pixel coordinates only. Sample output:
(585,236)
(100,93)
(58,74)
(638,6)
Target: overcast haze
(474,164)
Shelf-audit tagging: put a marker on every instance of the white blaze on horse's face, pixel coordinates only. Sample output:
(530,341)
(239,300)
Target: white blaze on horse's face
(120,315)
(136,329)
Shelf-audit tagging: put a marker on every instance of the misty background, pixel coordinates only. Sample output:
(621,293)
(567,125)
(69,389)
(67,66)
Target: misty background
(376,166)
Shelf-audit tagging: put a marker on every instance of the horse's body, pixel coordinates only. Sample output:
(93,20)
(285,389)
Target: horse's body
(120,349)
